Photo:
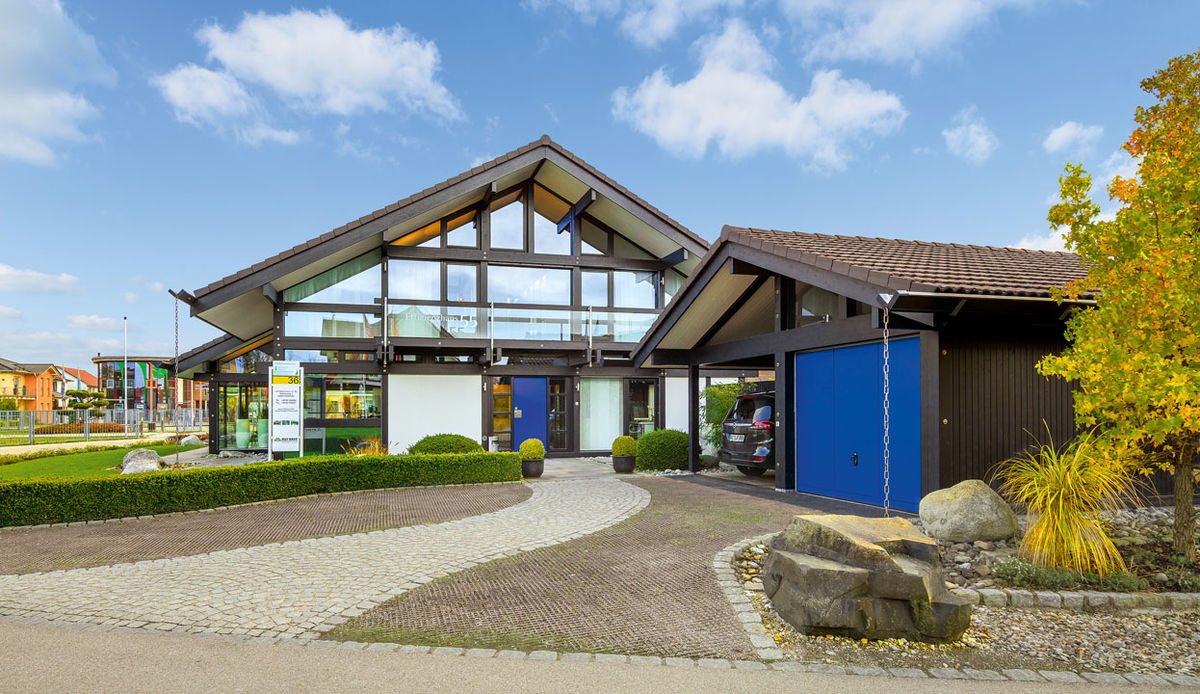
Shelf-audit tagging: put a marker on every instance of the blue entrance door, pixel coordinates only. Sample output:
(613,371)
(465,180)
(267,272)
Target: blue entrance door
(529,409)
(839,423)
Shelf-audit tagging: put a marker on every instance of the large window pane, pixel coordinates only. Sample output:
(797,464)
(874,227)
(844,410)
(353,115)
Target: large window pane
(330,324)
(462,231)
(672,283)
(247,363)
(529,285)
(312,356)
(437,321)
(508,223)
(635,289)
(548,211)
(593,239)
(243,417)
(355,282)
(600,413)
(595,288)
(418,280)
(352,396)
(460,283)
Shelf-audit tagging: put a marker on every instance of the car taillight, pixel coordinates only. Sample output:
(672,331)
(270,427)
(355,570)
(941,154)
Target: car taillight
(763,424)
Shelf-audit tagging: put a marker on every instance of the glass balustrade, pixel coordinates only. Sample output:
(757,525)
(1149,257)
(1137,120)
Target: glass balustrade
(455,321)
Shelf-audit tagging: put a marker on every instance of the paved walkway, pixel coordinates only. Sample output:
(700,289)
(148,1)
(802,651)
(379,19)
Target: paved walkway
(300,588)
(77,546)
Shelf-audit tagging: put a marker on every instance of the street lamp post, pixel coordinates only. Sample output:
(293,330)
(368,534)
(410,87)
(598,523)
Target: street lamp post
(125,372)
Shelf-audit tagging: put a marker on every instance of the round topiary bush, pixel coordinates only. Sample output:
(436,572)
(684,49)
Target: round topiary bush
(664,449)
(532,449)
(445,443)
(624,446)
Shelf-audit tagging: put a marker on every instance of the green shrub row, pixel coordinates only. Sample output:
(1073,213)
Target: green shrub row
(662,449)
(445,443)
(50,500)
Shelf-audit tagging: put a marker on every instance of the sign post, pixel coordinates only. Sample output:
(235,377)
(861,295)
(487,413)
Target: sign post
(286,394)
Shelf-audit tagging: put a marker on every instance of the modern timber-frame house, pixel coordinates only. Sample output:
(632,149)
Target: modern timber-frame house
(501,304)
(967,326)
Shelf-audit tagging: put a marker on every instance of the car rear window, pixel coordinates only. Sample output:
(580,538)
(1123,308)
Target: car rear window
(750,410)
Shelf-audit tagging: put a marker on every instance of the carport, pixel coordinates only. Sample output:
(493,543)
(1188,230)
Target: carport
(947,335)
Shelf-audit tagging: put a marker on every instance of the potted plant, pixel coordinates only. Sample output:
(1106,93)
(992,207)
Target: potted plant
(624,454)
(241,432)
(264,426)
(533,458)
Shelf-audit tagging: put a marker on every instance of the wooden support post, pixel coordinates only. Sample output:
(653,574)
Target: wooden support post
(693,417)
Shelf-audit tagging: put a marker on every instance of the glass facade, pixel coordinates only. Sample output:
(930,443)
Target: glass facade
(330,324)
(253,361)
(243,421)
(415,280)
(594,288)
(462,282)
(342,396)
(635,289)
(355,282)
(509,284)
(508,223)
(600,413)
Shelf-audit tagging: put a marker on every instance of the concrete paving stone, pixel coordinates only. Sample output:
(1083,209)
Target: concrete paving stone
(866,670)
(645,660)
(481,653)
(789,666)
(386,647)
(1182,680)
(576,657)
(612,658)
(679,662)
(1021,598)
(714,663)
(1146,678)
(947,673)
(908,672)
(1048,598)
(762,641)
(770,654)
(447,650)
(415,650)
(353,645)
(984,675)
(1071,600)
(825,668)
(1124,600)
(321,643)
(1095,599)
(971,596)
(511,655)
(543,655)
(1061,676)
(748,665)
(1104,677)
(1022,675)
(992,597)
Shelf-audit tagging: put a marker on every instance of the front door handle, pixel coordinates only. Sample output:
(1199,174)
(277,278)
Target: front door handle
(854,458)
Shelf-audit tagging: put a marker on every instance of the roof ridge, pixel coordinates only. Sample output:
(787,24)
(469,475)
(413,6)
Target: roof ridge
(919,242)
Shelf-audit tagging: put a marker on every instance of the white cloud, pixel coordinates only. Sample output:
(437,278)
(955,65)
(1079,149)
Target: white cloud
(886,30)
(1119,163)
(1052,240)
(44,58)
(130,297)
(201,97)
(13,279)
(9,313)
(646,22)
(1073,136)
(156,286)
(970,138)
(318,62)
(733,103)
(93,322)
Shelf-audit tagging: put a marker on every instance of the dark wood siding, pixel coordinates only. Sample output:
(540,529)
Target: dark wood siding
(994,403)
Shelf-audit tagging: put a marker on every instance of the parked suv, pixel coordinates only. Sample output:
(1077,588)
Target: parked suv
(748,434)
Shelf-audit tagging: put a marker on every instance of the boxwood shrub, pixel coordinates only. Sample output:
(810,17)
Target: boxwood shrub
(52,500)
(445,443)
(663,449)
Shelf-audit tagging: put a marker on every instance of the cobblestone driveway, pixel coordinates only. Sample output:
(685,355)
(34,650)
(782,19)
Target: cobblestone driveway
(76,546)
(297,588)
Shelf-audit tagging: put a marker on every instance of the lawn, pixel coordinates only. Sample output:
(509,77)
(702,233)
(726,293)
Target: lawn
(87,464)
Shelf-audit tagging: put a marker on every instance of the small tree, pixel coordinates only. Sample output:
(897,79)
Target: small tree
(7,404)
(718,400)
(1136,355)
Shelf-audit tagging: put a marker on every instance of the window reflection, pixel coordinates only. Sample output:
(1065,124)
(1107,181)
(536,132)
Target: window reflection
(595,288)
(414,280)
(508,223)
(635,289)
(548,211)
(529,285)
(460,283)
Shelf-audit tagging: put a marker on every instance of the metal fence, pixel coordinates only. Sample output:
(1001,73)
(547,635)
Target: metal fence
(24,427)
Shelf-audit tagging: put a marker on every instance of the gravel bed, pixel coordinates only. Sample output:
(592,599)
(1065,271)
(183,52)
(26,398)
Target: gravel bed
(1140,641)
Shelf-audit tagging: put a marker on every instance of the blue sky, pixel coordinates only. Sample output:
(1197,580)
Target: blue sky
(146,146)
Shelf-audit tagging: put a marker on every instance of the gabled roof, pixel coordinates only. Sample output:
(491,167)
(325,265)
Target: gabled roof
(543,142)
(86,377)
(921,265)
(10,366)
(37,368)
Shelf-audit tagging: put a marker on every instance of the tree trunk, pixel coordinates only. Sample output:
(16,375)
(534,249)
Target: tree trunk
(1185,522)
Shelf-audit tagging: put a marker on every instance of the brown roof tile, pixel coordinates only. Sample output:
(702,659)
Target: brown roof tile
(922,265)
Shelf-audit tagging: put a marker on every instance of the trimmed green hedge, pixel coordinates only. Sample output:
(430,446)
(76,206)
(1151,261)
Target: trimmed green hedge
(663,449)
(51,500)
(445,443)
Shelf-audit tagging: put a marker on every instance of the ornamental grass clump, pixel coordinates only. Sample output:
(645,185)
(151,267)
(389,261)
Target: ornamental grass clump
(1065,490)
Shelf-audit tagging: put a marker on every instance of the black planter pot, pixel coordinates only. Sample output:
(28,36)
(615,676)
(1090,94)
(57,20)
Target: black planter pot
(532,468)
(623,464)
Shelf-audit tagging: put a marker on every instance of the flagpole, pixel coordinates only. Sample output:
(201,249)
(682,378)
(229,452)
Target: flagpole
(125,372)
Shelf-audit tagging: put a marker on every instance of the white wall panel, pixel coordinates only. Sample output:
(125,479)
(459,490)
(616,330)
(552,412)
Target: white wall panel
(419,405)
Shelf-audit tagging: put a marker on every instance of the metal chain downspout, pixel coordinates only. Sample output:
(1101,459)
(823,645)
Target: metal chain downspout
(887,415)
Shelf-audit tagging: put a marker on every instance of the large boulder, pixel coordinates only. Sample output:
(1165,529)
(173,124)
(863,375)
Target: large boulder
(190,440)
(966,512)
(140,460)
(863,578)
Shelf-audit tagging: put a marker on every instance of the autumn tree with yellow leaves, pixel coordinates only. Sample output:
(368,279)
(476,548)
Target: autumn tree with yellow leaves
(1136,354)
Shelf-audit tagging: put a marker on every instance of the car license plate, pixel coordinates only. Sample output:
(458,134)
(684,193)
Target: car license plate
(737,438)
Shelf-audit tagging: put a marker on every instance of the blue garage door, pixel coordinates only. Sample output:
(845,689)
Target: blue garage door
(839,423)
